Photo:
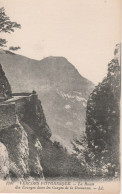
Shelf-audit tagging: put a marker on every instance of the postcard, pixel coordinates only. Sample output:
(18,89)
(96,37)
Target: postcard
(60,96)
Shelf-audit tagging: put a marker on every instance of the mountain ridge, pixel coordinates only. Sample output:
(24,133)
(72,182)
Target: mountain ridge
(45,58)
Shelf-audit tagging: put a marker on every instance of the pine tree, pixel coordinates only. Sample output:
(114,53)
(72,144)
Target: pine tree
(6,26)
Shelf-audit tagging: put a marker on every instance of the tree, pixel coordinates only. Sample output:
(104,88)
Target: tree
(98,150)
(6,26)
(84,155)
(103,120)
(12,48)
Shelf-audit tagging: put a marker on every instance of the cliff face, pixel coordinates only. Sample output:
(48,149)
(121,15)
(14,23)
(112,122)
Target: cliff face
(5,89)
(35,118)
(4,162)
(16,142)
(23,149)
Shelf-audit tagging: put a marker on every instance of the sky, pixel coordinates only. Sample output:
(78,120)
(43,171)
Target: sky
(83,31)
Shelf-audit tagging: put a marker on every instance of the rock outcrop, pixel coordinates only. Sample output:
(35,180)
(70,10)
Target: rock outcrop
(35,118)
(4,162)
(16,141)
(5,89)
(35,151)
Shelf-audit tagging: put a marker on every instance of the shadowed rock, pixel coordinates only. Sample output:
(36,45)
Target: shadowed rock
(5,89)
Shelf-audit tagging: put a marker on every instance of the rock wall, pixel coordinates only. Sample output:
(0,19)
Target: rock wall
(24,149)
(21,104)
(35,151)
(16,141)
(4,162)
(7,115)
(35,118)
(5,88)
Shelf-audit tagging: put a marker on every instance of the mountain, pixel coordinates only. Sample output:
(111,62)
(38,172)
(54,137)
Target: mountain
(62,90)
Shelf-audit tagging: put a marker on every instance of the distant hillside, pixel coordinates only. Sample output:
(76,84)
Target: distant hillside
(62,90)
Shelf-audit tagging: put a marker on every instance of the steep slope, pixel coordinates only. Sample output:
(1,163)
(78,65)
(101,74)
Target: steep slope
(16,141)
(5,89)
(4,162)
(62,90)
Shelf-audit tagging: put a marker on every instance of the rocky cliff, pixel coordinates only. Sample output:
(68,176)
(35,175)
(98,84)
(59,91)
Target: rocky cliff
(23,149)
(5,89)
(20,147)
(4,162)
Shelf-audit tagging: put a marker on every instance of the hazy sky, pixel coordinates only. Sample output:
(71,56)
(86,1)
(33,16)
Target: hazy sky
(83,31)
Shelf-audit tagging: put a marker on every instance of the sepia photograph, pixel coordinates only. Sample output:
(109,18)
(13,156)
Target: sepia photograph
(60,63)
